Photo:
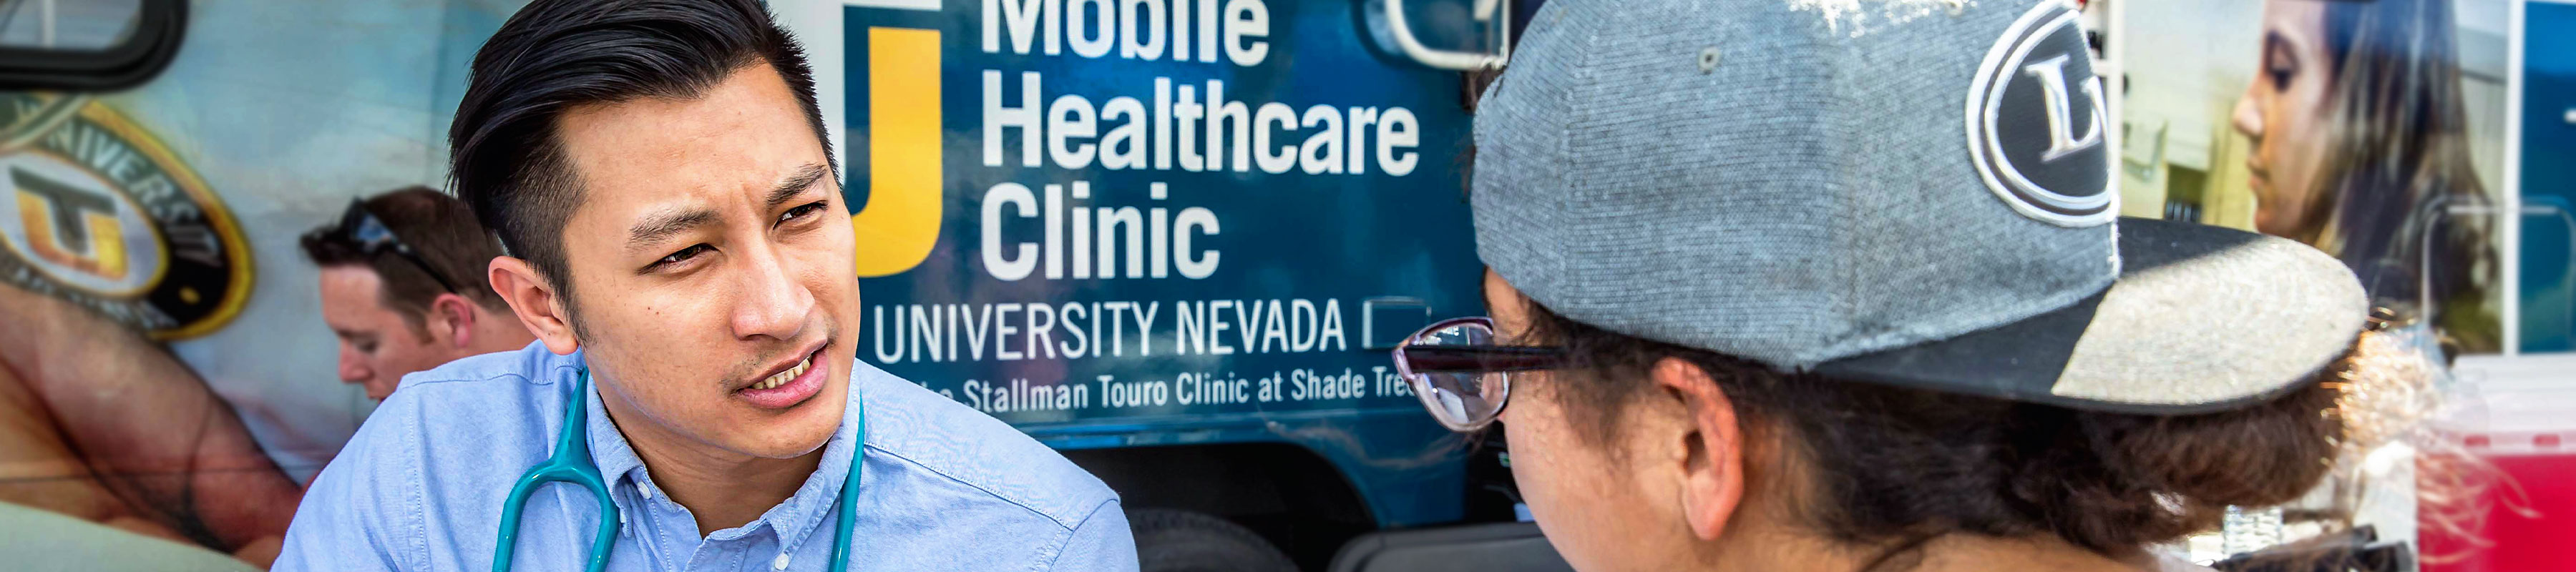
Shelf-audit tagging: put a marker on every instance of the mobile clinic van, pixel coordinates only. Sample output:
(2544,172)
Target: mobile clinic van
(1173,239)
(1170,238)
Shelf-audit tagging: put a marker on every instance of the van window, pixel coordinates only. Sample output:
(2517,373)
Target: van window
(88,45)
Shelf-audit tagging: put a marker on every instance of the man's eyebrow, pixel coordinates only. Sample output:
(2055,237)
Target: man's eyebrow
(795,184)
(658,227)
(661,226)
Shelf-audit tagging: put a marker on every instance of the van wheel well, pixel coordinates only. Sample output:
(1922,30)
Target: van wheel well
(1287,494)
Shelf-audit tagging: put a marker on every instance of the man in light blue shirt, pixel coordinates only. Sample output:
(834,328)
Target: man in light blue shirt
(946,488)
(657,168)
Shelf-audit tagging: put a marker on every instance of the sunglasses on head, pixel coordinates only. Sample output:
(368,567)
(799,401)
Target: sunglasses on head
(362,231)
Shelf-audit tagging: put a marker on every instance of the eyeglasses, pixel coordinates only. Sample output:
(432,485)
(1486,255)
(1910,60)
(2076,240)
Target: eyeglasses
(1460,375)
(361,230)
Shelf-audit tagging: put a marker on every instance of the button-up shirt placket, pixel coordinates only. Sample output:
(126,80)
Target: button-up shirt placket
(665,524)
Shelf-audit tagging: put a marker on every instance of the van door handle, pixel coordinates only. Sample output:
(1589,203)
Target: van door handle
(1389,24)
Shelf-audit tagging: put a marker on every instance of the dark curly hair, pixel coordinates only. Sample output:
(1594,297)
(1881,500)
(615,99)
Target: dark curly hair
(1898,467)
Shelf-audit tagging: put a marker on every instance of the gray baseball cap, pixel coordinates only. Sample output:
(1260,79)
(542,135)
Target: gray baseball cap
(1911,192)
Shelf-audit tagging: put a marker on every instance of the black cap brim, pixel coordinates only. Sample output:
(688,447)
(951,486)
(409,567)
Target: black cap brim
(2202,319)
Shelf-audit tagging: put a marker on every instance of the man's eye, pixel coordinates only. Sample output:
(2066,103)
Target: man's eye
(682,256)
(802,211)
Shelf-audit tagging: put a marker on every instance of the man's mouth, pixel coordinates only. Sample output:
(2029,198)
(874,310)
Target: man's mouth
(785,376)
(789,386)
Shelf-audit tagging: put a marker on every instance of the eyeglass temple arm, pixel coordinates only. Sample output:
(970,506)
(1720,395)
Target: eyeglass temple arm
(1464,359)
(357,215)
(425,268)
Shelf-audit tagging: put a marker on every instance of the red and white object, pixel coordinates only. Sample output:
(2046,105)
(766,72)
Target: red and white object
(2517,413)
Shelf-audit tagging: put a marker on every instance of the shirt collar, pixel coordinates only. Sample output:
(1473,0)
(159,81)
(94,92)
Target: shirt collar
(794,520)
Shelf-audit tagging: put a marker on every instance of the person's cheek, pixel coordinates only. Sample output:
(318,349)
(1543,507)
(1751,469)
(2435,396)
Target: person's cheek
(1559,480)
(824,268)
(1529,465)
(2276,129)
(382,373)
(2295,179)
(2277,201)
(839,255)
(634,354)
(681,323)
(1535,437)
(392,363)
(827,260)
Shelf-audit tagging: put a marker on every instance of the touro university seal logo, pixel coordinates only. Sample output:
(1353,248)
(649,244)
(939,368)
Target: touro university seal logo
(94,210)
(2035,122)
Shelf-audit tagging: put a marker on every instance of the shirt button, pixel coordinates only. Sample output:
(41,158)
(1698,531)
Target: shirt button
(647,491)
(779,563)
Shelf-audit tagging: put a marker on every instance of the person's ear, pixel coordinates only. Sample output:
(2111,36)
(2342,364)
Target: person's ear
(454,314)
(1712,485)
(534,301)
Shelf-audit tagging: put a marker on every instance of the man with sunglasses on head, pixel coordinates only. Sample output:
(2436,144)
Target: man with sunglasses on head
(403,287)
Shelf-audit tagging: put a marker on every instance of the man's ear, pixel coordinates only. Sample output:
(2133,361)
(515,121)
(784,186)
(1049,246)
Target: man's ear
(1712,470)
(533,300)
(455,315)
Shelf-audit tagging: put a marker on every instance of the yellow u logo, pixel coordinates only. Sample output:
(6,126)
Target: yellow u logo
(900,222)
(70,228)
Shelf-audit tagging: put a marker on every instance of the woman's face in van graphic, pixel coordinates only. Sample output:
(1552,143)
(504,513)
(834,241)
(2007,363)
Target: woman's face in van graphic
(2286,113)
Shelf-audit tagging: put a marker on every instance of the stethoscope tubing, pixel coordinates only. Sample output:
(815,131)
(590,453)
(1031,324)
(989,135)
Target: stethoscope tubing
(571,463)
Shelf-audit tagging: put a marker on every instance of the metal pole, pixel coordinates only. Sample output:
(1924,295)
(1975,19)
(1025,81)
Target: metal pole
(2512,252)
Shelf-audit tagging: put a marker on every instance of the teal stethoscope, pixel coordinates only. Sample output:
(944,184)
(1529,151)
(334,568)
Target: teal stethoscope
(571,464)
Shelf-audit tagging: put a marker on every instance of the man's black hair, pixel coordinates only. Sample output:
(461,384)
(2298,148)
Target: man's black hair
(506,158)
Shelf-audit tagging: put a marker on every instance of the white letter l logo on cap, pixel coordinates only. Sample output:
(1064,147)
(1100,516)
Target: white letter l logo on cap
(2051,74)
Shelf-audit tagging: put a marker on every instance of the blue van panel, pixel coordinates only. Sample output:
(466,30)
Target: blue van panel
(2548,175)
(1069,251)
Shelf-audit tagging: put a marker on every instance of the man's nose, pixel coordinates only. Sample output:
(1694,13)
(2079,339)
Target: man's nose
(352,370)
(772,301)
